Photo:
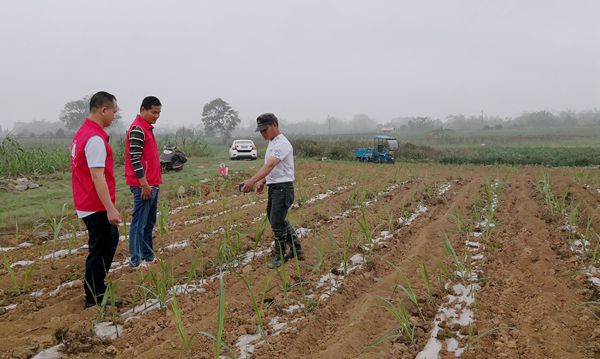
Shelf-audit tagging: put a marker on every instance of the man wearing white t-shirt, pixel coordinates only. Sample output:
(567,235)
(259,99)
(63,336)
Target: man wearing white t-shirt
(278,174)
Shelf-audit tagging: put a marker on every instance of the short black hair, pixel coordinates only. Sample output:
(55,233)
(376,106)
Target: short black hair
(101,99)
(150,101)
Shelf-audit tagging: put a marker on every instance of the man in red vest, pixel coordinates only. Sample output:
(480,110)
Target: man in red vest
(93,184)
(142,175)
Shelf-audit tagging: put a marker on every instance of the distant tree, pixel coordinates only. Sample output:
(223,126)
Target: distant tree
(362,122)
(540,119)
(60,133)
(219,117)
(423,124)
(75,112)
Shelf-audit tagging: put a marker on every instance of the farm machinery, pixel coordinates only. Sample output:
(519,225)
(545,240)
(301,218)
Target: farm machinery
(172,159)
(382,151)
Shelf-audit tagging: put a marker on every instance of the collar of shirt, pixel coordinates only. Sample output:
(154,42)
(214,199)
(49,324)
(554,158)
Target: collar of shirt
(142,123)
(91,123)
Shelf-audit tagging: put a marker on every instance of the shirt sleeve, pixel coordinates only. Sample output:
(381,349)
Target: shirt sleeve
(95,152)
(281,150)
(136,148)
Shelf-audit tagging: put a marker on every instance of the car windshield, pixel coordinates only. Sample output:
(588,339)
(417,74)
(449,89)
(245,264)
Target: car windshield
(243,142)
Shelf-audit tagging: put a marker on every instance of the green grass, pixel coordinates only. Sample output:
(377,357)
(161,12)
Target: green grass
(26,207)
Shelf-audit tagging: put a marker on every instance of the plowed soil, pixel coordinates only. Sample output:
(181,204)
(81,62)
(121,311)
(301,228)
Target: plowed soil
(373,239)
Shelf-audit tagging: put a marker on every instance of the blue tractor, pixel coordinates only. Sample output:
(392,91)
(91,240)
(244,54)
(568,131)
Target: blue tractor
(382,151)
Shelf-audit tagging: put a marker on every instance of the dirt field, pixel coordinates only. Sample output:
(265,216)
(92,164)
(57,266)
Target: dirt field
(402,261)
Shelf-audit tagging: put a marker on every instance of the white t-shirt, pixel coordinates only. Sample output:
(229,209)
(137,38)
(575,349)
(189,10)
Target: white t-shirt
(280,148)
(95,155)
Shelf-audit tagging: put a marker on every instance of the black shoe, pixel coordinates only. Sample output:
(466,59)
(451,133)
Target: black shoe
(276,263)
(118,303)
(290,255)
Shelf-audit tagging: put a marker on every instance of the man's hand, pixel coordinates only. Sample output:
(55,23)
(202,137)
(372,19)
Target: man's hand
(260,187)
(114,217)
(146,192)
(259,177)
(247,187)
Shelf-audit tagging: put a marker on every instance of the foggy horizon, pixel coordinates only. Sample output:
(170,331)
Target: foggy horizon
(302,61)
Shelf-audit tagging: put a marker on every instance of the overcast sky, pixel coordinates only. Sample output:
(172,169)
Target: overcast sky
(301,59)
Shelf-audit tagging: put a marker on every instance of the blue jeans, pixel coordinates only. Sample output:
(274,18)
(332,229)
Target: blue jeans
(143,220)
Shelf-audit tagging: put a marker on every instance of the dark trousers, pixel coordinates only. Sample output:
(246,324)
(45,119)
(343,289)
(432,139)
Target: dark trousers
(103,240)
(280,199)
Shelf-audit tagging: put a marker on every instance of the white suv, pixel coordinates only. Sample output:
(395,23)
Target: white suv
(243,149)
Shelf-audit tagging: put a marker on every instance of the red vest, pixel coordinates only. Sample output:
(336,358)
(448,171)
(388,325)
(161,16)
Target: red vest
(150,159)
(84,192)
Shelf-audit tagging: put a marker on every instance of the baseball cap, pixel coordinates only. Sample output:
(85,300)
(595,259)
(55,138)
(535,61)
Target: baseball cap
(263,121)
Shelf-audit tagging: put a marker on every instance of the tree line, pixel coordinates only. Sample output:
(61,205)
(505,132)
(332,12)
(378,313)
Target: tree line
(220,119)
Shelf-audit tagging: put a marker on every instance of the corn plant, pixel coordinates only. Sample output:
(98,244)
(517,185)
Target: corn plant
(257,303)
(142,291)
(460,223)
(19,286)
(227,249)
(186,340)
(473,340)
(299,281)
(161,281)
(410,294)
(585,237)
(218,338)
(425,278)
(442,272)
(100,307)
(404,326)
(109,295)
(585,306)
(15,160)
(329,255)
(477,208)
(260,231)
(346,248)
(55,224)
(364,225)
(555,204)
(488,189)
(458,262)
(282,275)
(319,261)
(407,288)
(391,221)
(572,219)
(163,219)
(193,273)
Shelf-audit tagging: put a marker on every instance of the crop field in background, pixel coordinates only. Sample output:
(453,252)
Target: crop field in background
(521,146)
(408,260)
